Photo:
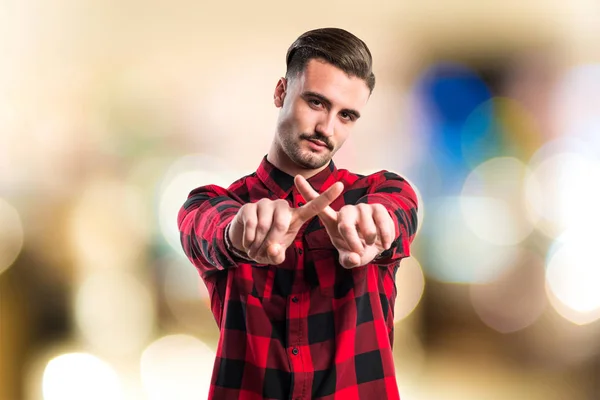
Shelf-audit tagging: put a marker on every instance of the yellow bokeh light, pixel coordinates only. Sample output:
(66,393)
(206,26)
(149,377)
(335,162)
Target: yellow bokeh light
(177,367)
(109,226)
(519,125)
(114,312)
(410,284)
(77,376)
(11,235)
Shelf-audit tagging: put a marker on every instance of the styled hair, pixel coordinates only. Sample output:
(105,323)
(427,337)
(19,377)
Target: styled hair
(335,46)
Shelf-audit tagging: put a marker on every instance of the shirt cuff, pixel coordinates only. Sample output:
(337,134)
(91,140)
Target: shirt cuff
(235,253)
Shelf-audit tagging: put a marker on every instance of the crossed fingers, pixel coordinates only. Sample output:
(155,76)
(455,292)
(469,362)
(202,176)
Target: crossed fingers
(265,229)
(359,232)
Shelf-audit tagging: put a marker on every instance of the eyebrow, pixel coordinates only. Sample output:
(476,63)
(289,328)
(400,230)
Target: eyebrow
(327,102)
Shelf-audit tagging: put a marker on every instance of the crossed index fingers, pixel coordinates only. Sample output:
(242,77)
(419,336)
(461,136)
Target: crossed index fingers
(318,204)
(327,214)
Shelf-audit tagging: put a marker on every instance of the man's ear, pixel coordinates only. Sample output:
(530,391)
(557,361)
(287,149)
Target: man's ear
(280,91)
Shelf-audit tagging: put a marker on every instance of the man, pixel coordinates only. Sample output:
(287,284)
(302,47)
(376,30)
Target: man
(299,257)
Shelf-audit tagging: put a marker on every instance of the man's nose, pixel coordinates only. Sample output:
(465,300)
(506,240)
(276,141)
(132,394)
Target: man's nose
(326,125)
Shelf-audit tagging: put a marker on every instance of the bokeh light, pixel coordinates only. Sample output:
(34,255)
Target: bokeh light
(11,235)
(521,133)
(177,367)
(480,137)
(516,299)
(184,175)
(109,226)
(77,376)
(410,284)
(493,201)
(185,294)
(560,195)
(409,355)
(114,311)
(455,253)
(448,93)
(499,126)
(572,278)
(452,91)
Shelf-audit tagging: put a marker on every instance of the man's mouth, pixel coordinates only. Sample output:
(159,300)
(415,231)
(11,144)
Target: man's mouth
(318,143)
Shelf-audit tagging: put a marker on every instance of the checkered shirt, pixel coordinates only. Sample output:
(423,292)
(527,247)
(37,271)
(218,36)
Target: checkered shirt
(308,328)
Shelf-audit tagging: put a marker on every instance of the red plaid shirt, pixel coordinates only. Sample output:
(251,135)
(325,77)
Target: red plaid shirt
(307,328)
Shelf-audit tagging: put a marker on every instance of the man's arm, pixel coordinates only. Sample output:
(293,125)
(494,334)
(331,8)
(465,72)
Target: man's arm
(400,200)
(217,231)
(202,221)
(378,229)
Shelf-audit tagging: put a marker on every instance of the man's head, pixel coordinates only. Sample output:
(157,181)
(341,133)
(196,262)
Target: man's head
(328,82)
(338,47)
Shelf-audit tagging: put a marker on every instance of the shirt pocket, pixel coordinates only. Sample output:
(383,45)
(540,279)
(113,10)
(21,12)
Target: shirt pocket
(263,281)
(251,280)
(322,267)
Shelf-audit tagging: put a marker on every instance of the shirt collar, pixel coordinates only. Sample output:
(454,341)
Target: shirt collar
(281,184)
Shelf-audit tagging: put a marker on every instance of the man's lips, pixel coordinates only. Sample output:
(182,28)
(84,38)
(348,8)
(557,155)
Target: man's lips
(318,143)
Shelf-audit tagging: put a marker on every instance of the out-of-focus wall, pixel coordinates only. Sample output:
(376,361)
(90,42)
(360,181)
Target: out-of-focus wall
(111,112)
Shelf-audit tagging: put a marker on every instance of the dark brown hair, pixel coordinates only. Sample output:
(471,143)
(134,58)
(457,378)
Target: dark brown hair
(335,46)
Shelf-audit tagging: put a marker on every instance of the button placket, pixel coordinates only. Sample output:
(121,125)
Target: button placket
(296,301)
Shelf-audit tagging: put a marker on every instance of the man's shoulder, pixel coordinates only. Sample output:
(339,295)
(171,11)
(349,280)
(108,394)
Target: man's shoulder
(238,186)
(369,178)
(243,183)
(244,188)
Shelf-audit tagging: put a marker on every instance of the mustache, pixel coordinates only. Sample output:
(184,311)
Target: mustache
(318,137)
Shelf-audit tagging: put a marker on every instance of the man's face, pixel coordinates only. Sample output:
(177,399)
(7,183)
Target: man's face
(319,108)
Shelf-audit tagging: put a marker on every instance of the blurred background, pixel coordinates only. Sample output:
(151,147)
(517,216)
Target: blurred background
(112,111)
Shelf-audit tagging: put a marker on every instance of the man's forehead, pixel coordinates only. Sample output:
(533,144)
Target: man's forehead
(330,81)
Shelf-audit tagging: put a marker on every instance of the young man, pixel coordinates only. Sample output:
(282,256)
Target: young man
(299,257)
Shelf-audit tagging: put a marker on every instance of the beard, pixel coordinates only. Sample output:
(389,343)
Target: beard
(305,158)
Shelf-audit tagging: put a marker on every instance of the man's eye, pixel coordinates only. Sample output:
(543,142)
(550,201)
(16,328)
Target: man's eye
(347,116)
(315,102)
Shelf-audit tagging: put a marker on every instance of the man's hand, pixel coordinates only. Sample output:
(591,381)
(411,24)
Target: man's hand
(265,229)
(359,232)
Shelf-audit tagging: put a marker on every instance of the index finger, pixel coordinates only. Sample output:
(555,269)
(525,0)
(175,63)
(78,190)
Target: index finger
(327,215)
(318,204)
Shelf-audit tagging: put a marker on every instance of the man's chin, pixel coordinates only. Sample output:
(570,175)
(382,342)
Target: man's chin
(309,162)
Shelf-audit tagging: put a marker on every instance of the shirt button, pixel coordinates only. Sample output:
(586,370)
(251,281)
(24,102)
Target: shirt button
(300,204)
(294,299)
(300,251)
(295,351)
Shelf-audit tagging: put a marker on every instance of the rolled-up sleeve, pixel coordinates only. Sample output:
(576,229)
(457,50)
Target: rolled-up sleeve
(400,199)
(202,221)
